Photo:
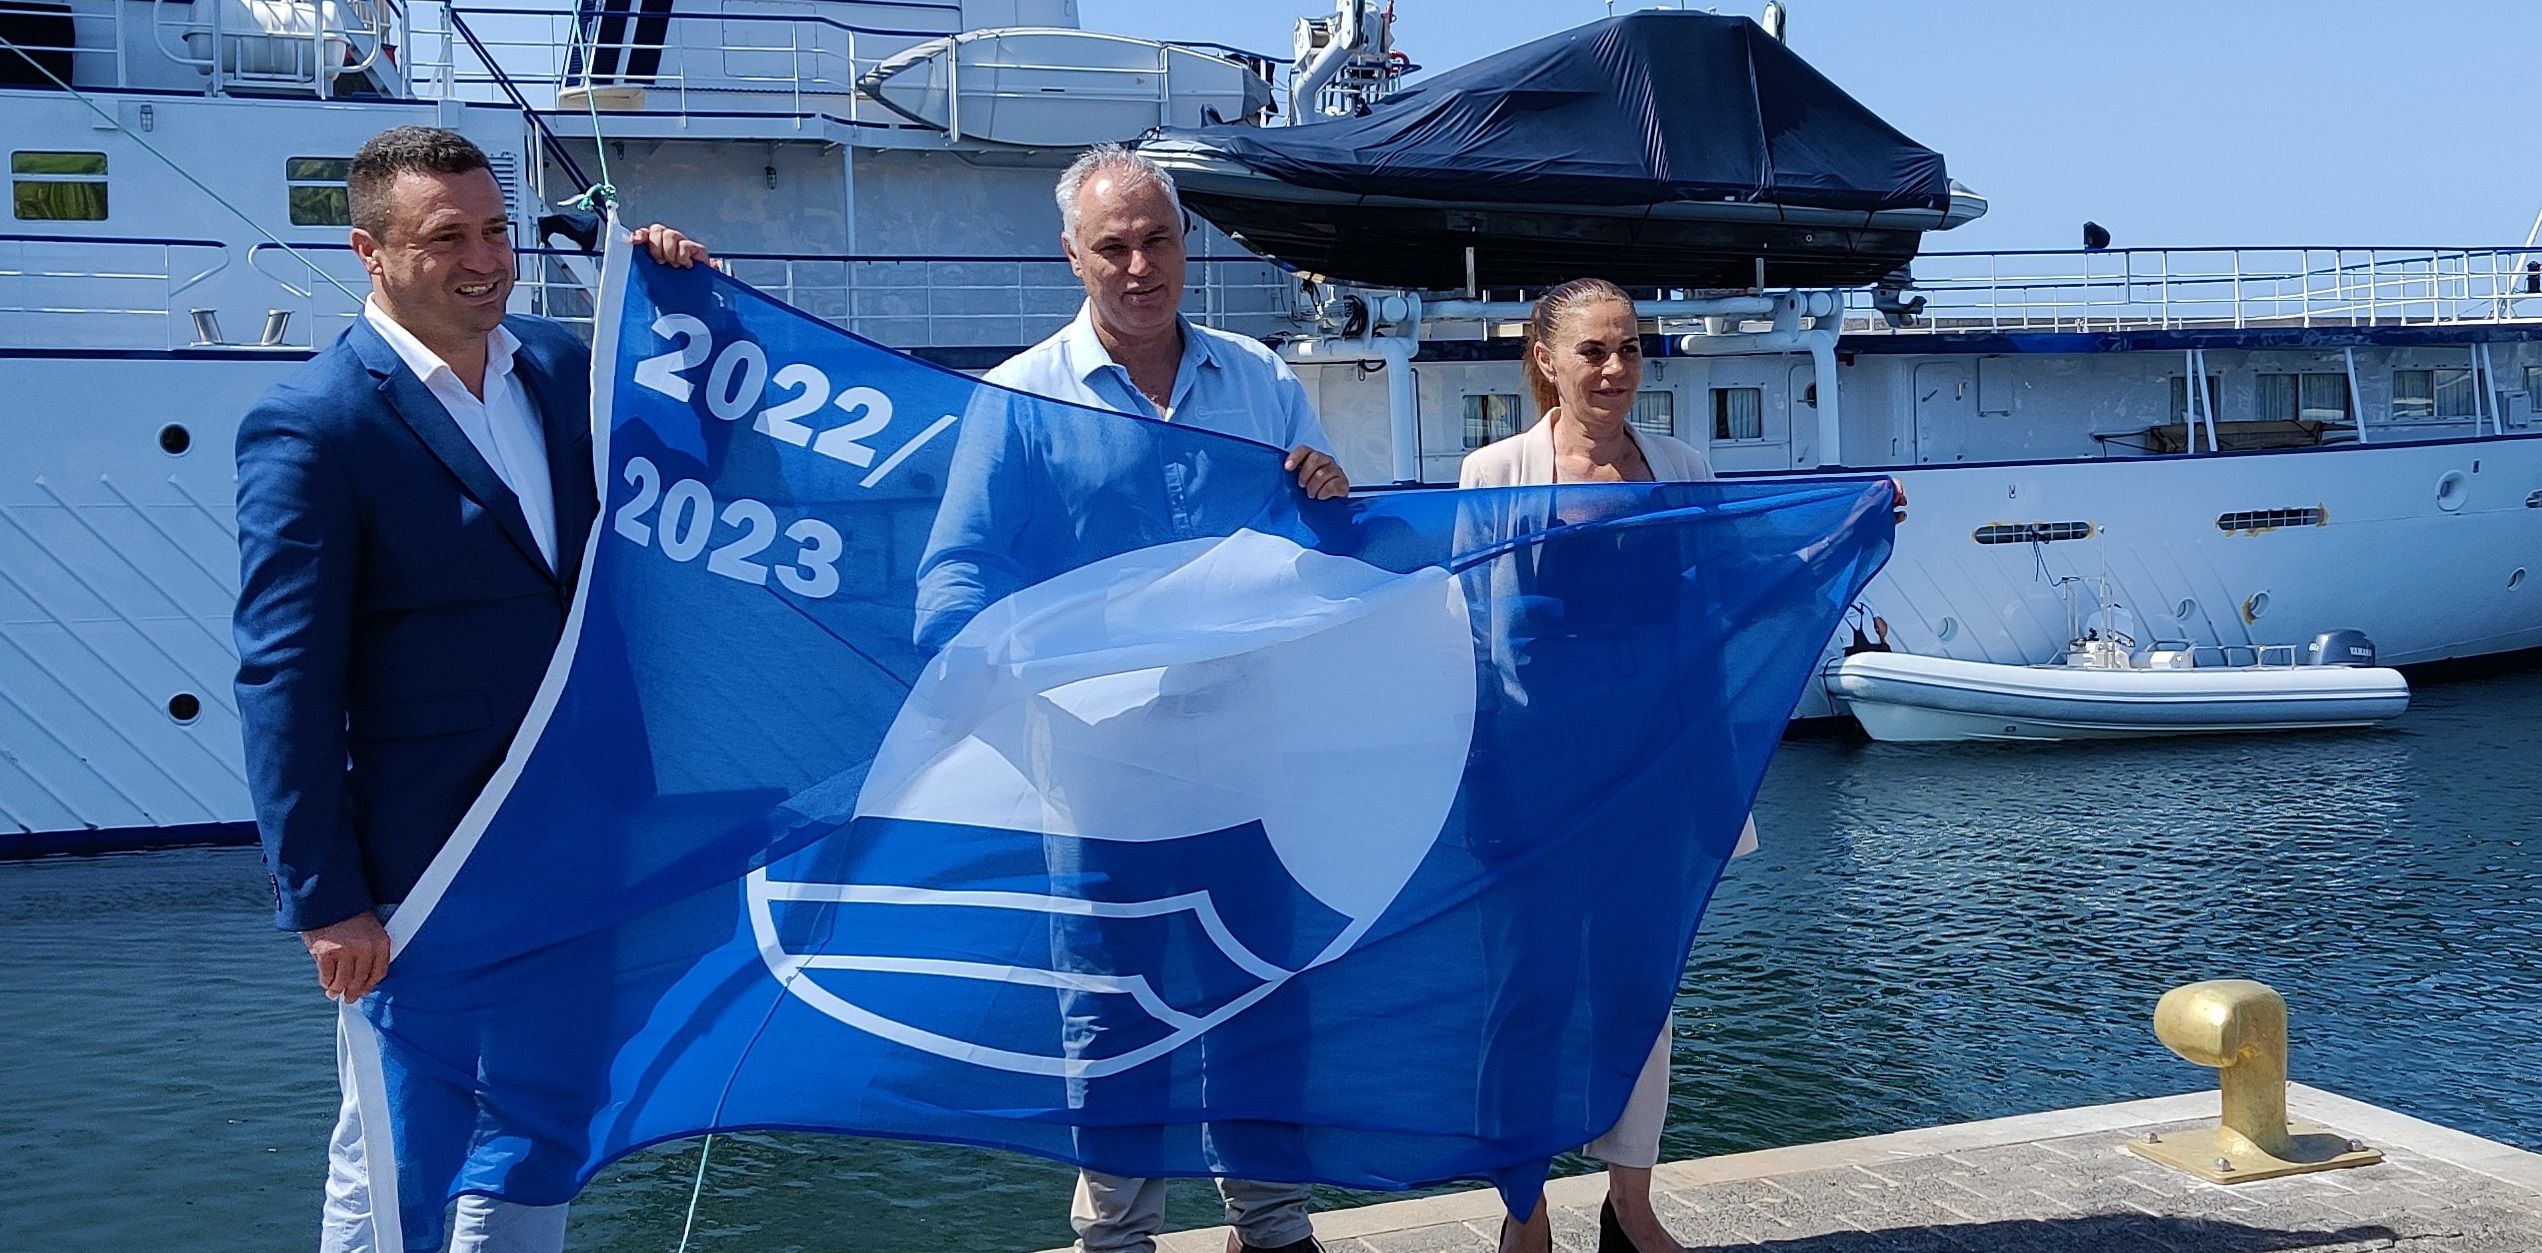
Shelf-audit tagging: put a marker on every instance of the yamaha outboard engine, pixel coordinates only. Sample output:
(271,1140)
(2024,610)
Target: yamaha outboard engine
(2340,648)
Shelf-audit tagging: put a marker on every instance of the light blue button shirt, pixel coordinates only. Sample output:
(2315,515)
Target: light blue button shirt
(1026,497)
(1225,383)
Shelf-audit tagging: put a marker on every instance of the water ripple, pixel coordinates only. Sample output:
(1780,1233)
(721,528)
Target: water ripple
(1930,935)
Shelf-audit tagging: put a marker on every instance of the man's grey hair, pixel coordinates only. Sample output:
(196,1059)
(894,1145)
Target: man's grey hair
(1129,168)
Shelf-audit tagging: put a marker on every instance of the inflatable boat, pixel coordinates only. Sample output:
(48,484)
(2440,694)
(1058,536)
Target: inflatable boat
(2103,692)
(1652,149)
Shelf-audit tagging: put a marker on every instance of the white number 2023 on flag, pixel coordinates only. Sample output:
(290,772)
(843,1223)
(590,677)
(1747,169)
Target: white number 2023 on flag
(685,524)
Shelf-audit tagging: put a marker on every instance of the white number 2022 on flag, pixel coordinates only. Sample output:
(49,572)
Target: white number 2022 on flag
(740,379)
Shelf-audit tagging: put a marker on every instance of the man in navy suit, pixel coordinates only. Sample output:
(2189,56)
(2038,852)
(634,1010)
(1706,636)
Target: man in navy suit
(412,507)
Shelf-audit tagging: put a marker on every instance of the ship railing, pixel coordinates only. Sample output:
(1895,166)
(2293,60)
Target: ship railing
(810,61)
(2239,288)
(902,299)
(103,291)
(951,300)
(324,284)
(302,45)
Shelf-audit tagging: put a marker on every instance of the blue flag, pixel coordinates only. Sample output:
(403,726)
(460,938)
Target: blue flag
(934,761)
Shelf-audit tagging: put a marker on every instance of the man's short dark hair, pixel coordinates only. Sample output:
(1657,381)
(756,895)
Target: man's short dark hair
(404,150)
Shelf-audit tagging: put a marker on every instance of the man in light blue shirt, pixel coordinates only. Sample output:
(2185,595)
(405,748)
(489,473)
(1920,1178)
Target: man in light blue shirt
(1219,382)
(1013,493)
(1025,496)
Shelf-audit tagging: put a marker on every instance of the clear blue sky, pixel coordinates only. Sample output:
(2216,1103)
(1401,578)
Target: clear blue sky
(2173,123)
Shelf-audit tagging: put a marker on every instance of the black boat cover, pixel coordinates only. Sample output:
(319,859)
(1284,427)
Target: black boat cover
(1643,108)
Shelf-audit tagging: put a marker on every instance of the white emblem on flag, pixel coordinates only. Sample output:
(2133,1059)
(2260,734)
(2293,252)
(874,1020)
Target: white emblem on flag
(1164,695)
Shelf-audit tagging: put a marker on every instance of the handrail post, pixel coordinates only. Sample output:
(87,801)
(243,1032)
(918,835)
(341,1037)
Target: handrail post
(1994,293)
(2239,321)
(953,94)
(2304,293)
(2356,398)
(220,41)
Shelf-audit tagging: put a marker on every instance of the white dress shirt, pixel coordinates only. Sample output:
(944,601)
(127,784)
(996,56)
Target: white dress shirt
(503,427)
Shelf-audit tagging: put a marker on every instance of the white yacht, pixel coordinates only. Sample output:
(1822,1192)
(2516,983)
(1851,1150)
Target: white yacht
(2260,442)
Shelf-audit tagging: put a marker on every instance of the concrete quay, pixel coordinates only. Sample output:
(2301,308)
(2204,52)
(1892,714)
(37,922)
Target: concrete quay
(2059,1181)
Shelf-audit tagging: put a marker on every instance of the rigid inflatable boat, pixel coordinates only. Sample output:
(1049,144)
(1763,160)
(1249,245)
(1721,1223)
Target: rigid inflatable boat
(2102,692)
(1652,149)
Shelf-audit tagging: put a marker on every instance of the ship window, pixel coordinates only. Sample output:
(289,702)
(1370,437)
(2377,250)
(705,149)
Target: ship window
(1489,417)
(2268,519)
(58,186)
(2441,393)
(2302,398)
(2180,397)
(1738,413)
(1655,412)
(2533,384)
(316,188)
(2032,532)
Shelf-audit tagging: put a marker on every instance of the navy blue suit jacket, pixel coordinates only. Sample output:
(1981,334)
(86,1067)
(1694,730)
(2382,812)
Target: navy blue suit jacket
(394,615)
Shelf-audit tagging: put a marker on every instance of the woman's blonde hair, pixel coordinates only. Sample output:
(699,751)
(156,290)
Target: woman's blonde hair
(1549,310)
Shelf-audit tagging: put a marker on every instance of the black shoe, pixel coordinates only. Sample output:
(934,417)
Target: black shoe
(1307,1245)
(1611,1237)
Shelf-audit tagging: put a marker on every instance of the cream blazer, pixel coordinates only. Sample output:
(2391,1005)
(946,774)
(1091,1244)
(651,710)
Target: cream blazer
(1526,460)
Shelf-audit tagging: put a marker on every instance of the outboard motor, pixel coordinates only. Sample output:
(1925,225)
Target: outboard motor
(2340,648)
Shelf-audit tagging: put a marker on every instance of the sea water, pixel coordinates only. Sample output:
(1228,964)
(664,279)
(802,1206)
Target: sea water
(1931,934)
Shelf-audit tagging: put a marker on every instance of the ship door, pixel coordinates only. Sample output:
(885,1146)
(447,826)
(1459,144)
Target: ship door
(1800,409)
(1945,406)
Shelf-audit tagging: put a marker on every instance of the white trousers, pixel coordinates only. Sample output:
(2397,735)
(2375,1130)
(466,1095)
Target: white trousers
(483,1225)
(1123,1214)
(1634,1139)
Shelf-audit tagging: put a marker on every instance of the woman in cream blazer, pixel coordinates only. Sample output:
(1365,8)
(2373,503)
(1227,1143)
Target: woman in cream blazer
(1527,458)
(1584,369)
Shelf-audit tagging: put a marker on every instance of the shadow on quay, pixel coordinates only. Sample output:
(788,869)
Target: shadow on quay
(2111,1233)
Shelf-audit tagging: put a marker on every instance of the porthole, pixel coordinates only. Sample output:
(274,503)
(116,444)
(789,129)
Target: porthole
(2452,490)
(2516,579)
(2185,610)
(2254,607)
(174,439)
(1946,628)
(185,707)
(2533,500)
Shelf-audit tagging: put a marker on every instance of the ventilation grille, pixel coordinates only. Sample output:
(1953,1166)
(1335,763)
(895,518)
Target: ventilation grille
(507,175)
(2032,532)
(2268,519)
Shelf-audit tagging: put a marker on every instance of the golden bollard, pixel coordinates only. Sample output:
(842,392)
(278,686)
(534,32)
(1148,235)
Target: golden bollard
(2239,1027)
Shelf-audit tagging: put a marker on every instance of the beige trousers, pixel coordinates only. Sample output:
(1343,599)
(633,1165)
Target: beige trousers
(1122,1214)
(1634,1139)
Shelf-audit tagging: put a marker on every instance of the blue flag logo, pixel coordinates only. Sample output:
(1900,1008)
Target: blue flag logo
(1135,733)
(930,760)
